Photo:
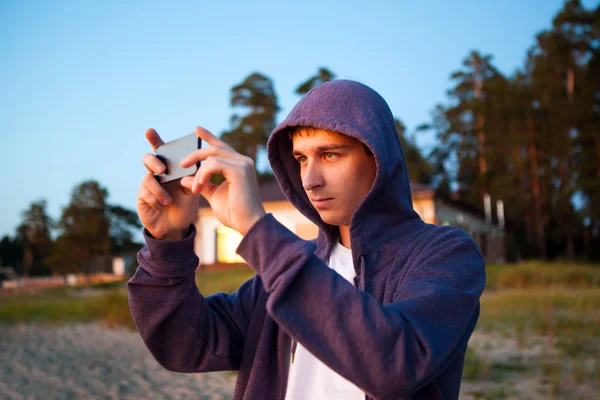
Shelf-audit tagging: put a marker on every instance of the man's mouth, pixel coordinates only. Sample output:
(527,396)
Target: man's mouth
(322,202)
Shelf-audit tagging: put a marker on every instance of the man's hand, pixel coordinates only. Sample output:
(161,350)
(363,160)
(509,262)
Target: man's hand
(235,202)
(165,211)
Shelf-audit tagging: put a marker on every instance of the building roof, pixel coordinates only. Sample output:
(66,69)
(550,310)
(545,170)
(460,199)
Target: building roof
(469,208)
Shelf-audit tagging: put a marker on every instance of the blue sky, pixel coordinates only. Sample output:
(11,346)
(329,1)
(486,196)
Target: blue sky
(81,80)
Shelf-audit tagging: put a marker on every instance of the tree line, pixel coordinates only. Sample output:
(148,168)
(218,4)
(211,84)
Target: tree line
(530,139)
(88,227)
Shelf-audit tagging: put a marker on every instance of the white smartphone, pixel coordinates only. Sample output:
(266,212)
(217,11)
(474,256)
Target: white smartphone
(171,153)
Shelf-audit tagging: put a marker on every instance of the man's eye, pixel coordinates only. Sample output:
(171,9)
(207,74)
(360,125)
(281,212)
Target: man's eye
(330,155)
(301,159)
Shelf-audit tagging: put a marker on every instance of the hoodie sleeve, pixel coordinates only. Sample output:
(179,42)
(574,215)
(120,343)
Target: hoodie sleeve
(391,350)
(184,331)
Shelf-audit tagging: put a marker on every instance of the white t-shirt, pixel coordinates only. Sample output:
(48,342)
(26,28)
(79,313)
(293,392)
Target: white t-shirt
(309,378)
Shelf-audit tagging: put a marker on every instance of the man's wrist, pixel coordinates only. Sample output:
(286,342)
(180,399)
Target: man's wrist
(253,221)
(176,235)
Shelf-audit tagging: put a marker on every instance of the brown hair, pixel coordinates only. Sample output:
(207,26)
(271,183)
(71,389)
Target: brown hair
(309,130)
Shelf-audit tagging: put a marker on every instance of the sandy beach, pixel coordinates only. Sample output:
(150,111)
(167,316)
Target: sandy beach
(88,361)
(91,361)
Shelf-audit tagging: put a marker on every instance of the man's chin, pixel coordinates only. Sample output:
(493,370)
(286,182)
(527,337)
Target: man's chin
(331,219)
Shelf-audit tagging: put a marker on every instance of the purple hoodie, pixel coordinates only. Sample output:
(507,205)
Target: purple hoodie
(400,332)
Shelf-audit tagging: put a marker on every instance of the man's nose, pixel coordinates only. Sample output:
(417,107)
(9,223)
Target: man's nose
(313,178)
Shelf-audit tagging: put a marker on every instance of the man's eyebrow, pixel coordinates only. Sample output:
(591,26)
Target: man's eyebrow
(321,149)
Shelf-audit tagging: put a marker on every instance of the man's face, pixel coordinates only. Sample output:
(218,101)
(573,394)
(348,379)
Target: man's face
(334,167)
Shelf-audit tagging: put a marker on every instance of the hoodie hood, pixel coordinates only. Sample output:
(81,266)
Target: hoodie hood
(355,110)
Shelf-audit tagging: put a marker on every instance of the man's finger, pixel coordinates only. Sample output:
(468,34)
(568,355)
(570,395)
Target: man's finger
(206,190)
(144,196)
(202,154)
(209,137)
(217,165)
(214,165)
(154,139)
(153,164)
(157,190)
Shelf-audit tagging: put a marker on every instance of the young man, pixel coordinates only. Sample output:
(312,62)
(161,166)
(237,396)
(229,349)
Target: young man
(380,305)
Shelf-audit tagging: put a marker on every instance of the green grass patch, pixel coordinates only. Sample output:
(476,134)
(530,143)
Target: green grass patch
(112,309)
(61,307)
(537,274)
(564,321)
(43,310)
(499,370)
(109,285)
(225,281)
(475,367)
(559,308)
(106,302)
(492,394)
(570,317)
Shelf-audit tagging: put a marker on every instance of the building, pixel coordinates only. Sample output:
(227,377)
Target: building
(216,244)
